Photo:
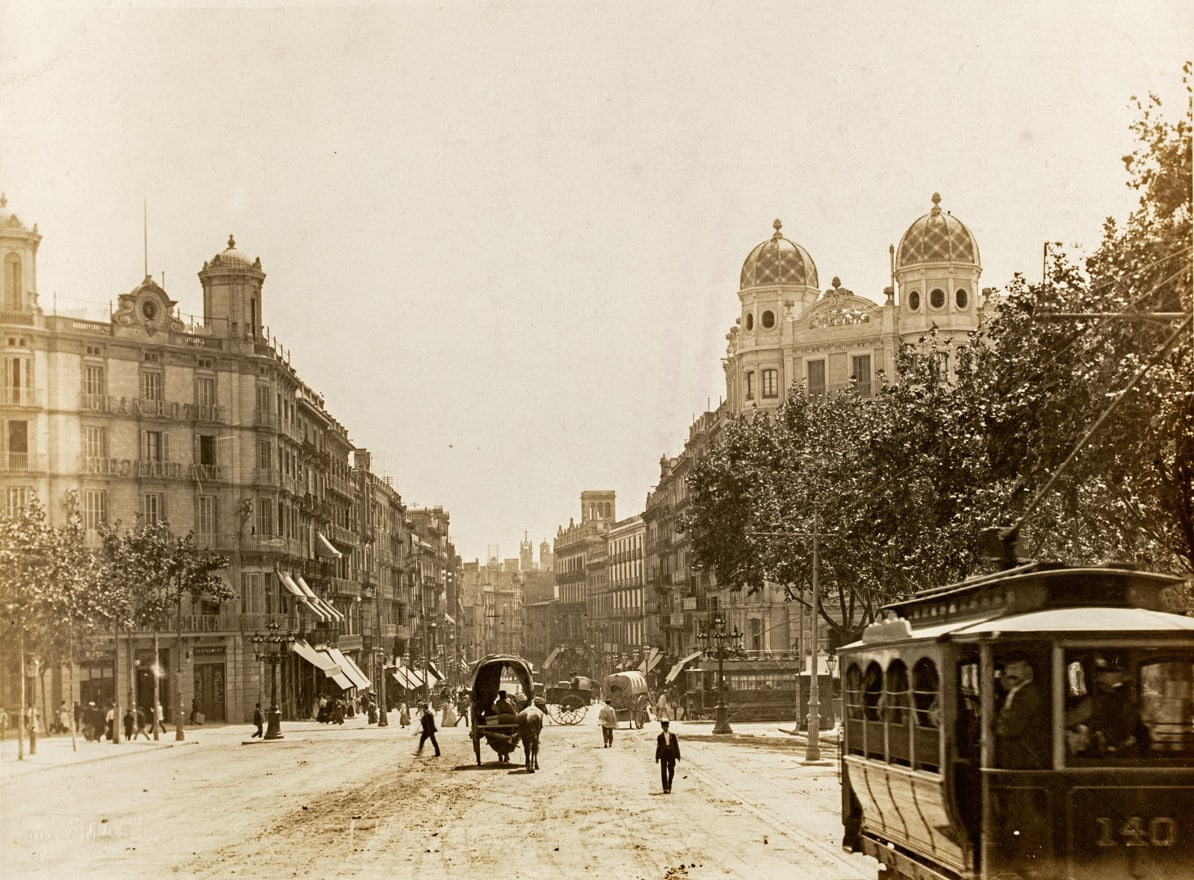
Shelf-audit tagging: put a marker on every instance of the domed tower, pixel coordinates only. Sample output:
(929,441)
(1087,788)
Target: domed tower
(778,282)
(232,293)
(18,262)
(937,270)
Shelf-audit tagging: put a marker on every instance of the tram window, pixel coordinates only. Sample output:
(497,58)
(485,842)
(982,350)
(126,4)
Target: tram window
(926,693)
(873,695)
(896,702)
(854,692)
(1127,705)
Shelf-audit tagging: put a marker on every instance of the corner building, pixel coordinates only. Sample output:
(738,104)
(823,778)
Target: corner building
(792,336)
(209,427)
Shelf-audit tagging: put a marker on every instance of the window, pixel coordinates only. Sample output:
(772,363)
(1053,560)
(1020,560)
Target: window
(153,507)
(95,441)
(961,298)
(750,386)
(16,449)
(18,380)
(95,508)
(151,386)
(263,398)
(816,378)
(94,379)
(155,446)
(860,372)
(914,301)
(17,498)
(14,294)
(750,321)
(265,517)
(265,455)
(205,391)
(1127,706)
(205,450)
(937,298)
(768,319)
(205,516)
(770,383)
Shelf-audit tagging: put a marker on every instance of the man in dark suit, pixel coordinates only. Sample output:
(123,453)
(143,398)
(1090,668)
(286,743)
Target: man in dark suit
(258,721)
(427,720)
(667,753)
(1022,742)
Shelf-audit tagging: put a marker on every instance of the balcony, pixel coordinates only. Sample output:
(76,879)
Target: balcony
(20,463)
(344,587)
(263,418)
(21,397)
(146,407)
(267,476)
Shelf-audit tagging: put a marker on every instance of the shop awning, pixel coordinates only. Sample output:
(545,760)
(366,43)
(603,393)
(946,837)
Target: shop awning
(324,662)
(408,678)
(551,658)
(324,548)
(652,661)
(350,668)
(435,673)
(679,667)
(327,607)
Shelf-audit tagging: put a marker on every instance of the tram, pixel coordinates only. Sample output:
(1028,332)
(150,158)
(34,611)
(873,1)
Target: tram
(1033,723)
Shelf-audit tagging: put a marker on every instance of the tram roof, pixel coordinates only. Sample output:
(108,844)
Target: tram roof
(1071,621)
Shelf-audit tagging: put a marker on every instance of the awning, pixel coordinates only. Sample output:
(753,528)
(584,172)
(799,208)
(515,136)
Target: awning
(324,662)
(679,667)
(358,678)
(408,678)
(448,617)
(324,548)
(550,658)
(652,661)
(295,590)
(327,607)
(439,676)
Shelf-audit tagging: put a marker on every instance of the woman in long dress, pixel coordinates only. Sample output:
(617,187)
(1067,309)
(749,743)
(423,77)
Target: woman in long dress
(404,714)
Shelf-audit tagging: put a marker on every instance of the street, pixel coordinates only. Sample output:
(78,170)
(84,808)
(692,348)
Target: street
(354,801)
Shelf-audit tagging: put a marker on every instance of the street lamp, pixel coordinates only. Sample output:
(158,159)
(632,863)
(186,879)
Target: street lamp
(720,642)
(271,648)
(831,665)
(382,719)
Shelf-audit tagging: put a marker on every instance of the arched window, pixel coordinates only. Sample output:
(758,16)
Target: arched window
(750,321)
(768,319)
(873,695)
(854,692)
(961,297)
(895,705)
(937,298)
(914,301)
(926,693)
(14,294)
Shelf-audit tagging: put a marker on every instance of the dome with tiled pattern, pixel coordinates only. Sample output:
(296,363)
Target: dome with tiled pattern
(937,237)
(230,257)
(778,261)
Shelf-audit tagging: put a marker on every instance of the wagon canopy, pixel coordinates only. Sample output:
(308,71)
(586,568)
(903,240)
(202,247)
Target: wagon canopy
(487,677)
(630,683)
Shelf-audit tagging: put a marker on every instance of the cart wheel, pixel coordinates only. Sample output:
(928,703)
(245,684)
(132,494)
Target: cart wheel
(572,710)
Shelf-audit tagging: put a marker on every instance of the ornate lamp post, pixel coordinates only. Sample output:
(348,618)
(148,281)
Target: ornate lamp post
(272,648)
(718,641)
(382,718)
(831,664)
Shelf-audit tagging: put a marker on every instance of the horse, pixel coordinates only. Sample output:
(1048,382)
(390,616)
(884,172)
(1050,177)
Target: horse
(530,725)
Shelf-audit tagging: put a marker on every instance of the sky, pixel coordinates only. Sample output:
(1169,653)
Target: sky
(503,239)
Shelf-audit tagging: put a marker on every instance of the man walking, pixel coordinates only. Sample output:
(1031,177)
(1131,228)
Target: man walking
(258,721)
(429,728)
(608,719)
(667,753)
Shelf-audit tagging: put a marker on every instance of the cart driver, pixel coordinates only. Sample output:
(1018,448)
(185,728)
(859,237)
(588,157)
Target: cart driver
(503,706)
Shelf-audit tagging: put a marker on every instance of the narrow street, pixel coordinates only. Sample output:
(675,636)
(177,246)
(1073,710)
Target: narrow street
(354,801)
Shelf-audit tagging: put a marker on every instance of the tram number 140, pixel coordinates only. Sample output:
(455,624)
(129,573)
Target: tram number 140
(1159,831)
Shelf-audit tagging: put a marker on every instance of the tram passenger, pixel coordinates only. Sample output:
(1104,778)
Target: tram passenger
(1107,723)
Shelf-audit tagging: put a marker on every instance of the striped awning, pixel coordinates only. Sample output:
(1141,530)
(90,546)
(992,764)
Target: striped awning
(292,587)
(327,607)
(679,667)
(354,673)
(652,661)
(551,658)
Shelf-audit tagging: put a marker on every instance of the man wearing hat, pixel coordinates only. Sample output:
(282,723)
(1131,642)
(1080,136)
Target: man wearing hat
(667,753)
(1114,713)
(427,719)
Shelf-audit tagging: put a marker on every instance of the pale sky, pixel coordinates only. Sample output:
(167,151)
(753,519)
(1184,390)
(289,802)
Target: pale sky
(503,239)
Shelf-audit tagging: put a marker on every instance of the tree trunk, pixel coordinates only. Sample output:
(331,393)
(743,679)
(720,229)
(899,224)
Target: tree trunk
(70,671)
(21,717)
(157,689)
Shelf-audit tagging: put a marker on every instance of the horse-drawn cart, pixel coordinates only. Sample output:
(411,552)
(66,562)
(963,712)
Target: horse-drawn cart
(628,694)
(568,701)
(500,732)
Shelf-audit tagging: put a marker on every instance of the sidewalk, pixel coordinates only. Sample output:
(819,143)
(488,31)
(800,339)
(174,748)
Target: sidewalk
(55,751)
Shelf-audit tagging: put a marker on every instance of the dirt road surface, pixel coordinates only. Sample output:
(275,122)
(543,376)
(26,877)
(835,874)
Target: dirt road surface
(354,801)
